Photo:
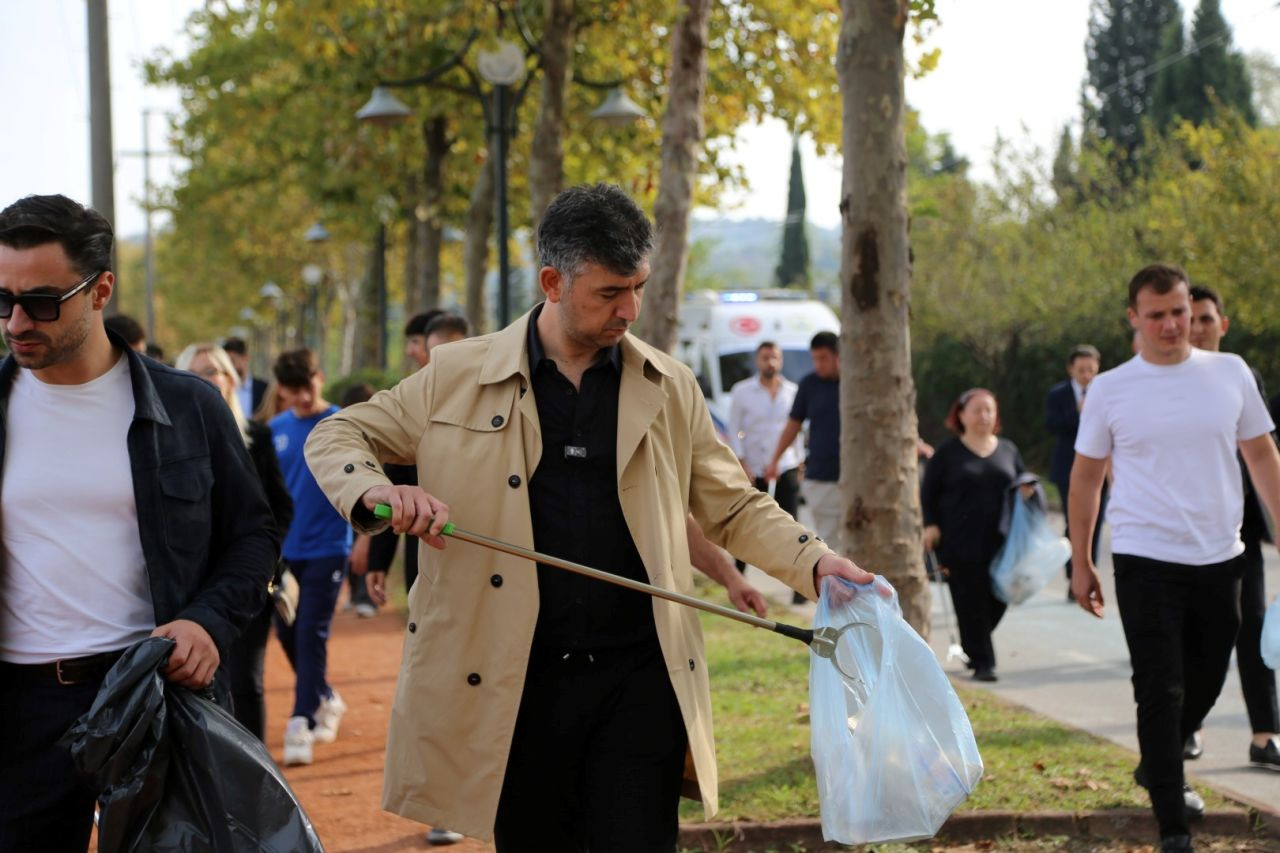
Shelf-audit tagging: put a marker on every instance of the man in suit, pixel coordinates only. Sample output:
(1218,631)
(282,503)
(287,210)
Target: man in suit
(251,388)
(1062,418)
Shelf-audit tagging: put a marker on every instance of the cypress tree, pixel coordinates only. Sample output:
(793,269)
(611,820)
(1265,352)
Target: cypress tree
(1214,69)
(1121,51)
(793,267)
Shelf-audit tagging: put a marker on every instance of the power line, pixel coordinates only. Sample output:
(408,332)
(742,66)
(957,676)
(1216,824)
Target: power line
(1183,55)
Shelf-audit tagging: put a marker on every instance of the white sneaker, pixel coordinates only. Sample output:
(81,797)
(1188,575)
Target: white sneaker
(297,742)
(439,836)
(328,717)
(366,611)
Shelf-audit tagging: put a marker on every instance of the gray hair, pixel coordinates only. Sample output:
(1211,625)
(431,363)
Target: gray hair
(598,224)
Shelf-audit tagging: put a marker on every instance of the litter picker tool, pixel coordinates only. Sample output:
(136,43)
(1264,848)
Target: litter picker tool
(892,747)
(822,641)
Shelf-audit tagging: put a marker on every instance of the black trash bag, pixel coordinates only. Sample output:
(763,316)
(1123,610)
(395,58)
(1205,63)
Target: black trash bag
(176,772)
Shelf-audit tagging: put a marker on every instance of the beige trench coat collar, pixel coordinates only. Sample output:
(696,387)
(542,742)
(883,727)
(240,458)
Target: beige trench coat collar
(640,397)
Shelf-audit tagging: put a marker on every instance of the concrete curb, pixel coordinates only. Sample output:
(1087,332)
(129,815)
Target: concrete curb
(1115,824)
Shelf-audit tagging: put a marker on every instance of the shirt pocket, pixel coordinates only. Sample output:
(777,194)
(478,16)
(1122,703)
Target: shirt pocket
(187,489)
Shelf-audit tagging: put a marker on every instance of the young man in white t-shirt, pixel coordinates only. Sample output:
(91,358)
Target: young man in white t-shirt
(1171,420)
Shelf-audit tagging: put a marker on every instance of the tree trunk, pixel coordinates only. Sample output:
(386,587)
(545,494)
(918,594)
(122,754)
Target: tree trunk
(429,220)
(681,137)
(475,249)
(878,471)
(546,155)
(412,254)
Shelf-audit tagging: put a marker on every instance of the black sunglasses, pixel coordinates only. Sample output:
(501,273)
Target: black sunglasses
(41,307)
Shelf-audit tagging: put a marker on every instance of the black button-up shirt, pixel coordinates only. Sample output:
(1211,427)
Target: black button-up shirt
(576,514)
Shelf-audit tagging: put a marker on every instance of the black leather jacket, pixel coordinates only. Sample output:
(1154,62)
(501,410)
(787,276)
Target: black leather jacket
(207,534)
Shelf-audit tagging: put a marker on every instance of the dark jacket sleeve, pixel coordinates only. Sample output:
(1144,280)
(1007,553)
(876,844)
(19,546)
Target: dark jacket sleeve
(244,545)
(1061,417)
(931,488)
(267,464)
(382,550)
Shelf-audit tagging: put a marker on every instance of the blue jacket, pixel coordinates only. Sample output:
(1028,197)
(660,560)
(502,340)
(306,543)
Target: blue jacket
(207,534)
(1063,420)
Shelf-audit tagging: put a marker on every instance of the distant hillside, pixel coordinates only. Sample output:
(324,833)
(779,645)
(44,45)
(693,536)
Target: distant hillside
(744,252)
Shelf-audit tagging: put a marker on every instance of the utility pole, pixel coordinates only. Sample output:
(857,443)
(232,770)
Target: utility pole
(100,146)
(148,246)
(148,208)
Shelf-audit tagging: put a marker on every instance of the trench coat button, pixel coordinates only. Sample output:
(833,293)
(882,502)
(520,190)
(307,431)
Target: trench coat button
(473,679)
(513,481)
(348,468)
(804,537)
(691,664)
(497,421)
(413,627)
(369,464)
(496,580)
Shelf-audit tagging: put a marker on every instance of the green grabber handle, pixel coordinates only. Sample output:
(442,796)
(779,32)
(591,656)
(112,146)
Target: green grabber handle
(823,642)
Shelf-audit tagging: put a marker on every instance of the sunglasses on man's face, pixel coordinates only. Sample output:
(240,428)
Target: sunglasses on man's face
(41,307)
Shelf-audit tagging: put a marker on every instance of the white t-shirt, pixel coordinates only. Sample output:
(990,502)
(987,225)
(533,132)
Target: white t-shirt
(74,580)
(1172,433)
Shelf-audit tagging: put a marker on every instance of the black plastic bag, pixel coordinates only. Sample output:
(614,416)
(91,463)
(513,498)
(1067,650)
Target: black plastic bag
(176,772)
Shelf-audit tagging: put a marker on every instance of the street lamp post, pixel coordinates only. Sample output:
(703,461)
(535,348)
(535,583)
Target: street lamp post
(313,277)
(271,292)
(503,68)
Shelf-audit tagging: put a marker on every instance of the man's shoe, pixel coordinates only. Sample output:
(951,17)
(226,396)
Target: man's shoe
(1194,747)
(1267,757)
(297,742)
(328,717)
(984,673)
(1193,803)
(438,836)
(366,611)
(1176,844)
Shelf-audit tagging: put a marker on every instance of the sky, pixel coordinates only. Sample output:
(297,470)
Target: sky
(1012,67)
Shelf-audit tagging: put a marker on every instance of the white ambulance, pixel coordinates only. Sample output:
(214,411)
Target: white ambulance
(720,330)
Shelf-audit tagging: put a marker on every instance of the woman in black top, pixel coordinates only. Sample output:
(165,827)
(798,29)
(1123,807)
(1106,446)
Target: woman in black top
(246,657)
(965,484)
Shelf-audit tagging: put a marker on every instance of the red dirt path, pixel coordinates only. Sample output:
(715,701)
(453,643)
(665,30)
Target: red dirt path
(342,789)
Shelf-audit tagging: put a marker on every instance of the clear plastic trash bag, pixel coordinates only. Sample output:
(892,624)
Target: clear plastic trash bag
(176,772)
(1031,554)
(892,746)
(1271,635)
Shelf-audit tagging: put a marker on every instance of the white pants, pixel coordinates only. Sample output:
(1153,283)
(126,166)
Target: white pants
(823,499)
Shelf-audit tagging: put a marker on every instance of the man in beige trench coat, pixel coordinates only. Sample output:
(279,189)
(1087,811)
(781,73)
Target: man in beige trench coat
(541,708)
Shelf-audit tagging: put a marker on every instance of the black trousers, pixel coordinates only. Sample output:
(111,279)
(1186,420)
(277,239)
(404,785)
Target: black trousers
(978,611)
(1180,623)
(1257,680)
(786,491)
(597,756)
(245,661)
(43,804)
(1064,490)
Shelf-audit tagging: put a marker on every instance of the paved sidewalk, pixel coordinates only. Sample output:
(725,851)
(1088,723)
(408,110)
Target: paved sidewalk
(1061,662)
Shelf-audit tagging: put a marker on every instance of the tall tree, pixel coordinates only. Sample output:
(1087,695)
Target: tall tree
(1122,52)
(1169,88)
(878,472)
(546,155)
(1216,72)
(682,133)
(793,266)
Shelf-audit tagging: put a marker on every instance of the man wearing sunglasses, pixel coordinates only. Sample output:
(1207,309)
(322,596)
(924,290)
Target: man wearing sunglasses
(130,510)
